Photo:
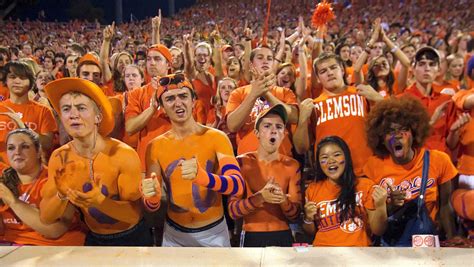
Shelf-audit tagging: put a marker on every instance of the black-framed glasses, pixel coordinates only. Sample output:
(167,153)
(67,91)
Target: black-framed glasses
(175,79)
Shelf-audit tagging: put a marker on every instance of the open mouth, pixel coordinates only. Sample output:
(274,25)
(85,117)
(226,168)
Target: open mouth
(272,140)
(398,150)
(180,112)
(333,168)
(75,125)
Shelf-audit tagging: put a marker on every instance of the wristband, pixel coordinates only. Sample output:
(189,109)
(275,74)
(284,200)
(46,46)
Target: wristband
(307,222)
(318,40)
(394,49)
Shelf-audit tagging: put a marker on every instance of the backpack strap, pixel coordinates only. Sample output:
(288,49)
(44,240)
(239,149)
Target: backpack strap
(424,179)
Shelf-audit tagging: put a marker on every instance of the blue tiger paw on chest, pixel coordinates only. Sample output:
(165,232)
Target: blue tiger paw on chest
(99,216)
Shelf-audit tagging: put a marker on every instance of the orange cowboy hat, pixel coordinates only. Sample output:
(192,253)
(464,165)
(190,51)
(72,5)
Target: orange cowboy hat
(57,88)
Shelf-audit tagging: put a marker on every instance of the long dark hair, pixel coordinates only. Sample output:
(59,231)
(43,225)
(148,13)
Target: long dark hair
(372,79)
(346,200)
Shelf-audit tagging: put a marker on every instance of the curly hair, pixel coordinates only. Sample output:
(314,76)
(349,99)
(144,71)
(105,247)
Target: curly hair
(407,112)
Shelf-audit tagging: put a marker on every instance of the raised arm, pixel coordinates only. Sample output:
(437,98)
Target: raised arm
(155,26)
(300,83)
(358,75)
(279,55)
(217,54)
(246,57)
(402,58)
(301,138)
(189,69)
(104,54)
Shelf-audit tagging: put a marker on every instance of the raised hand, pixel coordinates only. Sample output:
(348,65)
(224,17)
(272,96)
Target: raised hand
(272,193)
(189,168)
(7,195)
(306,108)
(156,20)
(109,32)
(439,112)
(311,211)
(92,198)
(368,92)
(397,197)
(462,120)
(150,186)
(14,116)
(379,195)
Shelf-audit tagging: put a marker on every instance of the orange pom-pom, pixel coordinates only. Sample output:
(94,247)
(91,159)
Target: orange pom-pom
(322,14)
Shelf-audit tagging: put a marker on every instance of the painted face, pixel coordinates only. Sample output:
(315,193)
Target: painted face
(456,67)
(22,153)
(202,58)
(178,104)
(355,53)
(263,59)
(78,115)
(426,70)
(156,64)
(225,88)
(332,161)
(90,72)
(17,85)
(286,77)
(330,74)
(345,53)
(132,78)
(398,141)
(271,132)
(177,59)
(381,67)
(123,61)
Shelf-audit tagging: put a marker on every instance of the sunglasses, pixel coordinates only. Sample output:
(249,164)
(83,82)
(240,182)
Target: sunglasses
(175,79)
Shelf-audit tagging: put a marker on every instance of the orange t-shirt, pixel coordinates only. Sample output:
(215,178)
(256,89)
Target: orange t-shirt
(4,92)
(37,117)
(131,140)
(330,230)
(343,115)
(118,168)
(256,173)
(466,136)
(446,87)
(440,130)
(205,92)
(407,177)
(19,233)
(246,139)
(138,101)
(191,203)
(108,88)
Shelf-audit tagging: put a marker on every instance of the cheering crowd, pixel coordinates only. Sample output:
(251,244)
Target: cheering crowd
(240,122)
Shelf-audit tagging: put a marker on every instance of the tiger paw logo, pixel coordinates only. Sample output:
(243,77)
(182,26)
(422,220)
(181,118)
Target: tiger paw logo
(94,212)
(352,225)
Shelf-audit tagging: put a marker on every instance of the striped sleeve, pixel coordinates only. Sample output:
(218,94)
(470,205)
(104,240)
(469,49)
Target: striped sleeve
(239,207)
(292,207)
(230,182)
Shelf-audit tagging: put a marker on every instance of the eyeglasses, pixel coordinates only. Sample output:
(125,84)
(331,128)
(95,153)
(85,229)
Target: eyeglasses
(172,79)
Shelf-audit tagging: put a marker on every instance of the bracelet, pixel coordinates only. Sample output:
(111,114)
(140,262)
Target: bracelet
(62,198)
(318,40)
(307,222)
(394,49)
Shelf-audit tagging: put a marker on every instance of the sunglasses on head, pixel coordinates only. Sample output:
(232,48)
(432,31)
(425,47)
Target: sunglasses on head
(175,79)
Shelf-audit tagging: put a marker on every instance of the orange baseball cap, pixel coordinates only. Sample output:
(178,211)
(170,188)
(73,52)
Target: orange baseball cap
(57,88)
(162,50)
(89,58)
(278,109)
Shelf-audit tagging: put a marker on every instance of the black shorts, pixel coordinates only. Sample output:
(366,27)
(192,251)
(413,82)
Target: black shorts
(268,239)
(137,236)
